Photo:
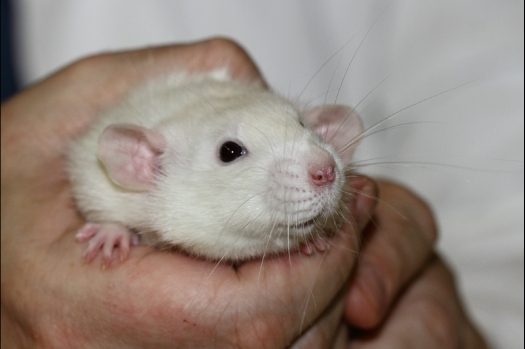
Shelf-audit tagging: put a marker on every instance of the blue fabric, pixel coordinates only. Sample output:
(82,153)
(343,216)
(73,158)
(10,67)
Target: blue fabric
(8,78)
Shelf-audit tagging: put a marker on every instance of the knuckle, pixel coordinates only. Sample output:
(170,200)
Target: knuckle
(222,52)
(224,47)
(221,43)
(438,325)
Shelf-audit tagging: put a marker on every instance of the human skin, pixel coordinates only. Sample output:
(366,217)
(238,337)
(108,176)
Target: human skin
(403,295)
(50,298)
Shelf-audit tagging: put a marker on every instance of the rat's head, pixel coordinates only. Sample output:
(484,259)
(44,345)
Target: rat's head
(257,177)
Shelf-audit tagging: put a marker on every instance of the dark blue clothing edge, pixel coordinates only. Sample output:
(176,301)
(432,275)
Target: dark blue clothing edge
(8,79)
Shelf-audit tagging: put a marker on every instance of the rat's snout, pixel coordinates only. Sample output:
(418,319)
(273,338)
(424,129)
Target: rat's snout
(322,173)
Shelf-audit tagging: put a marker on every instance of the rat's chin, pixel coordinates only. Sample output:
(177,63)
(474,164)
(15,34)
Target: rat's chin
(301,227)
(306,225)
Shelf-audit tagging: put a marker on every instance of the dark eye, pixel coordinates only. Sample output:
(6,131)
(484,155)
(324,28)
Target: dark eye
(301,123)
(231,151)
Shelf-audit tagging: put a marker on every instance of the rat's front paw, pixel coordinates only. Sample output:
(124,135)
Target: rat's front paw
(317,244)
(106,237)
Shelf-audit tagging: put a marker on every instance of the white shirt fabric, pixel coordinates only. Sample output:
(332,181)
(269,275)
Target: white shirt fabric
(465,159)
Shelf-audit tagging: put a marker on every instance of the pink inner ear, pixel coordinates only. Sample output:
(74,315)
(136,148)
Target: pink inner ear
(129,154)
(338,125)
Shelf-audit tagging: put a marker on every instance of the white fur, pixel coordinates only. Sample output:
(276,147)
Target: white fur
(235,210)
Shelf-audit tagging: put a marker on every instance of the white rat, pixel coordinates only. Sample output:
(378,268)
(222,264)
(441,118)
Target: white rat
(218,168)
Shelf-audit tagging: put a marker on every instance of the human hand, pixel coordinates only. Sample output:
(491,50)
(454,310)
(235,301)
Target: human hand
(49,297)
(403,295)
(154,299)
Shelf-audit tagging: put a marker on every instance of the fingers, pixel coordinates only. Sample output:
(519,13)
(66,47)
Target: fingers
(396,245)
(428,315)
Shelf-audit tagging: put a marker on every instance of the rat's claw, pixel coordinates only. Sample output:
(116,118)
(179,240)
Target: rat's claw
(125,243)
(95,243)
(107,250)
(318,244)
(106,237)
(307,248)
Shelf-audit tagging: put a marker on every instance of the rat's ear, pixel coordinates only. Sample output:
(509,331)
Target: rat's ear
(338,125)
(129,154)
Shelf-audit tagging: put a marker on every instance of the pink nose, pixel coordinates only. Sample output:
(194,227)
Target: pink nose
(322,175)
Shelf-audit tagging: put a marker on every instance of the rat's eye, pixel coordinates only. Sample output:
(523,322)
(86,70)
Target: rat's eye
(301,123)
(231,151)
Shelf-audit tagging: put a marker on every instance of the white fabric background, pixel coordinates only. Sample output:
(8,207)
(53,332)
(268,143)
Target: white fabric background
(424,46)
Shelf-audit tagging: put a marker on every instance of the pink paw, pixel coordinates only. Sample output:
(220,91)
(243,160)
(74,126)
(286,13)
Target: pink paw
(317,244)
(106,237)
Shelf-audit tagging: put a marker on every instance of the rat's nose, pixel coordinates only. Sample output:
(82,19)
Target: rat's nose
(320,175)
